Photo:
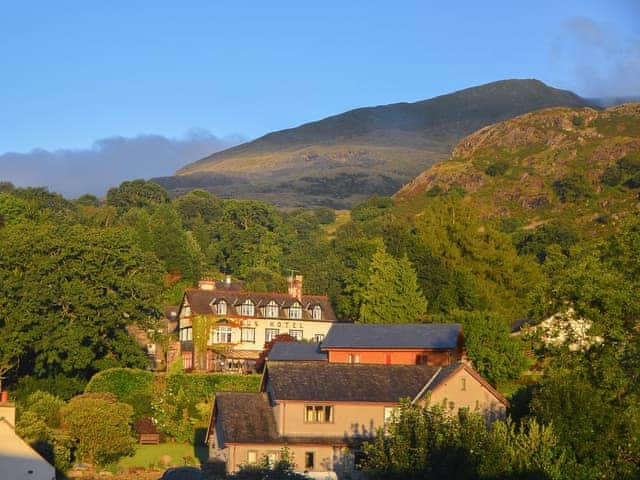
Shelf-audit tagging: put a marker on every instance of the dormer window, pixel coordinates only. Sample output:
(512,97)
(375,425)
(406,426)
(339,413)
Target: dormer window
(316,313)
(271,310)
(295,311)
(247,308)
(221,307)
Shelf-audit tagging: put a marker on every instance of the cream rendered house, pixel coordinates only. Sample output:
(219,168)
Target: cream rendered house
(241,322)
(322,412)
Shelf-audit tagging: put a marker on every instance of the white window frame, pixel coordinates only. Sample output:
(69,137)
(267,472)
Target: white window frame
(390,414)
(297,308)
(186,334)
(318,413)
(221,307)
(297,334)
(222,335)
(316,313)
(318,338)
(247,308)
(272,310)
(248,338)
(270,335)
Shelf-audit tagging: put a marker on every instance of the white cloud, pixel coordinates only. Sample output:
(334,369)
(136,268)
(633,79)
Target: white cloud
(109,161)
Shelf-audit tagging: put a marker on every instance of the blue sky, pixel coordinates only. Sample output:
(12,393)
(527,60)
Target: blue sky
(75,72)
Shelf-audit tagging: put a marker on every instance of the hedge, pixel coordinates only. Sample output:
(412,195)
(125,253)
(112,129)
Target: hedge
(124,383)
(203,385)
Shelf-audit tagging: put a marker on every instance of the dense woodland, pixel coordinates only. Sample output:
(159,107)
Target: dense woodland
(73,274)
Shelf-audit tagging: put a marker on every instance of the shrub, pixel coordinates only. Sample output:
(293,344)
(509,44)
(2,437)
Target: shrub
(100,426)
(573,187)
(325,215)
(46,406)
(499,167)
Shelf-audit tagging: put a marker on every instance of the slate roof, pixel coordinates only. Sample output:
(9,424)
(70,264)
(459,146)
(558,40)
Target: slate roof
(296,351)
(343,382)
(439,336)
(244,417)
(200,302)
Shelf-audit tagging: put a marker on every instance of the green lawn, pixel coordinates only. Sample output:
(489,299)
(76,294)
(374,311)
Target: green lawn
(149,455)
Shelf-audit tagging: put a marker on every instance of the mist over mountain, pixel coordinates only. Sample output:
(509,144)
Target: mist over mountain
(107,162)
(342,159)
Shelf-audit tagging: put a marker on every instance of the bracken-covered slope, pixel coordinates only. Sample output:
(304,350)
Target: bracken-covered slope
(342,159)
(581,165)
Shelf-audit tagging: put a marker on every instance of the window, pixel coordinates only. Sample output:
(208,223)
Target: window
(248,334)
(187,360)
(295,311)
(390,414)
(308,460)
(463,384)
(272,458)
(247,308)
(222,335)
(221,307)
(297,334)
(316,313)
(270,334)
(318,414)
(422,360)
(318,338)
(187,311)
(271,310)
(186,334)
(354,358)
(252,456)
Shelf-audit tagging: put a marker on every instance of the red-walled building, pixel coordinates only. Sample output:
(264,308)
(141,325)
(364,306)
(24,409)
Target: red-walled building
(423,344)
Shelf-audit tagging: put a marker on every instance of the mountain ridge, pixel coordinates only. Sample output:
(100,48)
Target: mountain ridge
(342,159)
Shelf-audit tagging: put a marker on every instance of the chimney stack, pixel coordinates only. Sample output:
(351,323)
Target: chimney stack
(295,286)
(206,284)
(7,408)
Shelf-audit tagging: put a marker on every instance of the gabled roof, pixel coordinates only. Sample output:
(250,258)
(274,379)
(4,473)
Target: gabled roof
(296,351)
(18,456)
(244,417)
(200,301)
(343,382)
(430,335)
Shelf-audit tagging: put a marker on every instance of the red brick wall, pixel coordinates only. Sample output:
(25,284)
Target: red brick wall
(394,357)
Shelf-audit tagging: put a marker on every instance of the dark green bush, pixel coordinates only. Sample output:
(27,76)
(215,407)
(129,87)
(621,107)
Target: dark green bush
(499,167)
(573,187)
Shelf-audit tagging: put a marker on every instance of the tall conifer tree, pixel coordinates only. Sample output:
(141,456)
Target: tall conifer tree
(392,294)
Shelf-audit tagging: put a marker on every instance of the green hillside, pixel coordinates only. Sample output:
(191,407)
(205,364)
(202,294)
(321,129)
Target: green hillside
(343,159)
(577,166)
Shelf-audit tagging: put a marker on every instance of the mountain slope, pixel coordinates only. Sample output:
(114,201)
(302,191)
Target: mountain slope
(342,159)
(579,166)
